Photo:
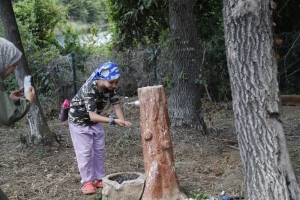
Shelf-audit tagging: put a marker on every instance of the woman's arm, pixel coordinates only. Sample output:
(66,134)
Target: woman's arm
(119,112)
(120,121)
(120,115)
(12,112)
(98,118)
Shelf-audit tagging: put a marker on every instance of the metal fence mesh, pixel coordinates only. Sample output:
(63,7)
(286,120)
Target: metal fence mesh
(139,69)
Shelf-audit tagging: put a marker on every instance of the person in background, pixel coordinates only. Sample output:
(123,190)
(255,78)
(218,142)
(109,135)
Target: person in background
(85,123)
(13,107)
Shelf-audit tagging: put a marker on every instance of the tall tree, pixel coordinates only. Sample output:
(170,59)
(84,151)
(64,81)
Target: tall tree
(268,173)
(40,132)
(184,104)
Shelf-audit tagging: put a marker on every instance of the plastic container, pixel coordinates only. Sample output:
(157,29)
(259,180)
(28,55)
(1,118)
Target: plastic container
(64,111)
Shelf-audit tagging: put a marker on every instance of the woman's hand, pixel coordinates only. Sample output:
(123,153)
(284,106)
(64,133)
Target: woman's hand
(15,95)
(31,95)
(122,123)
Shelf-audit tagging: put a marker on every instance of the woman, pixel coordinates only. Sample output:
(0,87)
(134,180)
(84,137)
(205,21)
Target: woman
(85,122)
(14,106)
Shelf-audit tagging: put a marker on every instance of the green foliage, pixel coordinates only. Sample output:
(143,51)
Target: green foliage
(1,30)
(90,40)
(147,21)
(198,195)
(168,81)
(182,75)
(199,80)
(96,196)
(22,139)
(10,83)
(13,128)
(40,18)
(71,40)
(215,72)
(43,85)
(136,21)
(124,139)
(165,36)
(209,19)
(38,21)
(86,11)
(40,152)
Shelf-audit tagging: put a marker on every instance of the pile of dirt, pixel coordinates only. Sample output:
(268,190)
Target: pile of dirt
(210,163)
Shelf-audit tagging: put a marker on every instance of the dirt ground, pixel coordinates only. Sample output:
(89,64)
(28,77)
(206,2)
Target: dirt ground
(210,163)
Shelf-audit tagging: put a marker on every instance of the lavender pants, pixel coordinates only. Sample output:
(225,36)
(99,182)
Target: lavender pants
(89,143)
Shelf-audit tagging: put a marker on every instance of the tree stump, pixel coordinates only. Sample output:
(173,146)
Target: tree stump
(160,176)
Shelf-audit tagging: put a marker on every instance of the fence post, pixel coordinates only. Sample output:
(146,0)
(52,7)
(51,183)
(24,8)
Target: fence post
(154,65)
(74,73)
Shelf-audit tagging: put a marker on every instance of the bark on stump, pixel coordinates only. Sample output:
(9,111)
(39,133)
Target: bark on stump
(161,181)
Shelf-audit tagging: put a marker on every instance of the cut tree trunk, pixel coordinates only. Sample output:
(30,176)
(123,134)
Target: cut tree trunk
(161,181)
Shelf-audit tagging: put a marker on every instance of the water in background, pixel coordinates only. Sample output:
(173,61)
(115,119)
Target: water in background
(101,38)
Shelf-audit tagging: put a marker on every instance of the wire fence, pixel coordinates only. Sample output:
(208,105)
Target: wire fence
(68,73)
(153,65)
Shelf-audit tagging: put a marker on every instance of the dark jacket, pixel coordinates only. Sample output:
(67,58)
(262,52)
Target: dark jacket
(2,195)
(11,112)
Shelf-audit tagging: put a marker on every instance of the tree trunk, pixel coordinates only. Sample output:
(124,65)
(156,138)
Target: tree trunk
(161,182)
(268,173)
(40,132)
(185,97)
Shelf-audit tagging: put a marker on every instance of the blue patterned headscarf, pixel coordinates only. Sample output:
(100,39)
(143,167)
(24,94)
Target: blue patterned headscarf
(107,71)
